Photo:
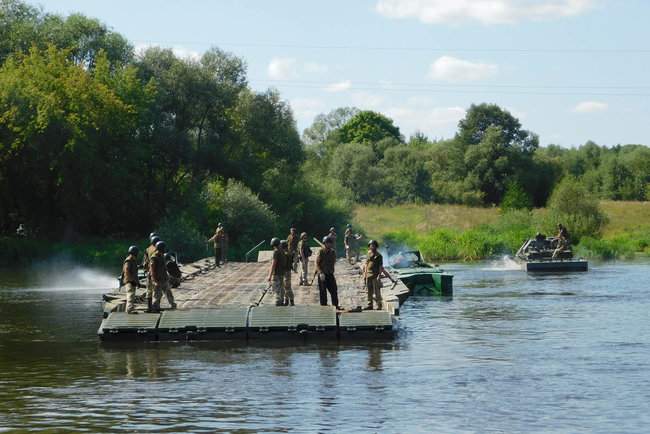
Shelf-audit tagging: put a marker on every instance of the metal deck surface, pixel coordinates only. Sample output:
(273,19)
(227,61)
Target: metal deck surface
(292,316)
(224,317)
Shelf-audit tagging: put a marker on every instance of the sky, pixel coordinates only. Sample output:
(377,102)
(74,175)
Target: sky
(570,70)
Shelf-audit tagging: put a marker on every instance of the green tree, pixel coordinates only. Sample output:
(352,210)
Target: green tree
(480,118)
(368,127)
(572,205)
(515,198)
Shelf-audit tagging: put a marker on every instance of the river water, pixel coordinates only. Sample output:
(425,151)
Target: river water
(510,353)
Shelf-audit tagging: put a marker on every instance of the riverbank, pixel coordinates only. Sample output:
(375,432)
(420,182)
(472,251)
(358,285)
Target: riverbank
(455,232)
(100,252)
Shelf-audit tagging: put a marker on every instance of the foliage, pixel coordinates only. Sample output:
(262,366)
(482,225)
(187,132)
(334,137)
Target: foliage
(575,208)
(515,198)
(368,127)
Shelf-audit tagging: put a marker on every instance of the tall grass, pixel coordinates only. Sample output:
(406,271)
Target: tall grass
(450,233)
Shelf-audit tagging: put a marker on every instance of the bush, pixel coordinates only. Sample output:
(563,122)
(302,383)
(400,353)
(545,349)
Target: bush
(573,206)
(183,236)
(515,197)
(248,220)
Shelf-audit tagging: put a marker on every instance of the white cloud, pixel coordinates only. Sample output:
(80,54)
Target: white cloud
(339,86)
(283,68)
(447,68)
(484,11)
(178,50)
(590,107)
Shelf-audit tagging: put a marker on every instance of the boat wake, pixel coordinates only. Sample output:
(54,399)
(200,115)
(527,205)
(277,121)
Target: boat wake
(505,263)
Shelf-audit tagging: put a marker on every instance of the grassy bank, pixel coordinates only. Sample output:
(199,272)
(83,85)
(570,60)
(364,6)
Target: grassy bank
(453,232)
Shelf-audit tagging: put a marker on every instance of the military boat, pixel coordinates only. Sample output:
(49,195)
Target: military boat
(536,255)
(420,277)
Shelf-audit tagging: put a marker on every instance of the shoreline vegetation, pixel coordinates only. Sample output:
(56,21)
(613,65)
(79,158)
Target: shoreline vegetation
(463,233)
(441,232)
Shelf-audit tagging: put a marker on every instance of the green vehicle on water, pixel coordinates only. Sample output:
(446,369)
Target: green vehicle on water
(419,276)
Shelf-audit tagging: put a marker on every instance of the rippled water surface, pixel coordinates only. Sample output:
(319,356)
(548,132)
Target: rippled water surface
(510,353)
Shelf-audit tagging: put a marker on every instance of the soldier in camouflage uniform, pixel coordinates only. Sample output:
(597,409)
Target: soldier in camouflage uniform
(304,253)
(373,271)
(288,260)
(160,278)
(293,241)
(276,272)
(148,253)
(129,278)
(217,239)
(325,262)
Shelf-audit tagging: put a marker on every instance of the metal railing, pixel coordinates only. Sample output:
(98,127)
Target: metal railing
(252,250)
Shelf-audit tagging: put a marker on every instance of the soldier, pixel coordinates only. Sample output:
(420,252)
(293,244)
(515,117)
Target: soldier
(223,242)
(129,278)
(293,241)
(325,262)
(217,239)
(373,271)
(276,272)
(562,240)
(160,278)
(305,253)
(288,260)
(350,241)
(151,249)
(332,235)
(173,270)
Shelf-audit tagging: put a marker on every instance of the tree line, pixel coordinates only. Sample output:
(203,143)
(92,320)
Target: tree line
(97,139)
(491,161)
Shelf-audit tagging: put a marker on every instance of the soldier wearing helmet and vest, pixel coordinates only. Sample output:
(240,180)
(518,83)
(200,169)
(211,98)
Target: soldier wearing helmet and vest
(276,272)
(129,278)
(286,281)
(151,249)
(325,262)
(373,271)
(160,278)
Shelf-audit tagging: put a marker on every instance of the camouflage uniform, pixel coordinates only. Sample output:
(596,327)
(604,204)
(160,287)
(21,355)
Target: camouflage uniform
(325,262)
(288,292)
(304,252)
(158,271)
(351,249)
(278,276)
(293,240)
(374,265)
(148,253)
(130,281)
(217,239)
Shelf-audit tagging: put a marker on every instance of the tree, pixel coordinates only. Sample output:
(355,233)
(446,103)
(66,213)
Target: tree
(71,135)
(354,166)
(368,127)
(478,120)
(515,198)
(324,124)
(575,208)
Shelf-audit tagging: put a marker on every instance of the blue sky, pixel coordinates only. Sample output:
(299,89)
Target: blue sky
(571,70)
